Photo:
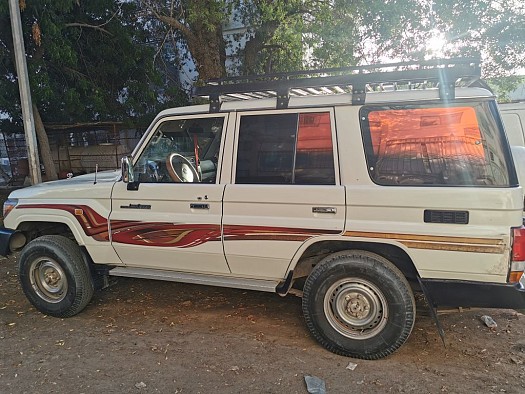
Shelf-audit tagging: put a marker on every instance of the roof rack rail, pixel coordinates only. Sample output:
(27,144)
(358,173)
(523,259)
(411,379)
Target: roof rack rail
(441,73)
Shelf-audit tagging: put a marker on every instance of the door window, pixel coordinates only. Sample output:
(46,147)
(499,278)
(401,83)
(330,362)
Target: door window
(181,150)
(291,148)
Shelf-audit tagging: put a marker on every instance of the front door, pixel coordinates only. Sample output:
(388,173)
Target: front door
(172,220)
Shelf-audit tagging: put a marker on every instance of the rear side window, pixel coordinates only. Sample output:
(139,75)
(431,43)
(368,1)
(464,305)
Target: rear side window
(446,146)
(292,148)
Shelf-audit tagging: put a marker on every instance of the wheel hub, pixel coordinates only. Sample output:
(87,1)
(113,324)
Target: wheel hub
(356,308)
(51,277)
(48,280)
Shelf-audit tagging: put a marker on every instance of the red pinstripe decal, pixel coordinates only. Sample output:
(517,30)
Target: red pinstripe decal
(173,234)
(93,224)
(163,234)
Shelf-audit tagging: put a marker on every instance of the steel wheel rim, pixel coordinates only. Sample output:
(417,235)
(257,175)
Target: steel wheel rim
(356,308)
(48,280)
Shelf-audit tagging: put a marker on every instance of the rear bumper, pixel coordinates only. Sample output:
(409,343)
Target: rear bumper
(456,293)
(5,240)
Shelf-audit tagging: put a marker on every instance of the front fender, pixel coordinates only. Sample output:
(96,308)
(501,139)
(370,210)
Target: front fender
(73,225)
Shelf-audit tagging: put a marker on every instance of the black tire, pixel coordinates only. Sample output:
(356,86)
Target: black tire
(55,277)
(358,304)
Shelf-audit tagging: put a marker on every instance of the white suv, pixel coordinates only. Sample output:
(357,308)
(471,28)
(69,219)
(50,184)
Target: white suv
(353,198)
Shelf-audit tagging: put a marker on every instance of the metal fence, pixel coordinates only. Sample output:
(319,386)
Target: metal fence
(74,149)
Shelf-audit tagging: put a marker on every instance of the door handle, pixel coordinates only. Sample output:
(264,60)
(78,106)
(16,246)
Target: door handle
(199,206)
(324,210)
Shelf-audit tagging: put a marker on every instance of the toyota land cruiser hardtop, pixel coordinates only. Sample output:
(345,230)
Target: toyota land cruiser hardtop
(352,188)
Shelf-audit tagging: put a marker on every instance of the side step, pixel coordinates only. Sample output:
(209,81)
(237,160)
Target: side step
(199,279)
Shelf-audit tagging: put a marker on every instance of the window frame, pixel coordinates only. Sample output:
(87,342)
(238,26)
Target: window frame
(296,111)
(152,130)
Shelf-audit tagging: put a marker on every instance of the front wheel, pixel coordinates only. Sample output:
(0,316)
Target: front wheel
(358,304)
(55,277)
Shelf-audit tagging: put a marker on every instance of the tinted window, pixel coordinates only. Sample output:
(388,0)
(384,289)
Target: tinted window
(433,145)
(285,149)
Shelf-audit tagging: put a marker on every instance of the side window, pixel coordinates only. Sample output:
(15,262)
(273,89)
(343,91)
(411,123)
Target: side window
(285,149)
(449,146)
(182,150)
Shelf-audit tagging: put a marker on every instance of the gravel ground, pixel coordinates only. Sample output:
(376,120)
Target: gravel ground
(159,337)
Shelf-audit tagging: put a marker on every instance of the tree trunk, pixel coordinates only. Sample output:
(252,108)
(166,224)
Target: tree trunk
(208,49)
(255,44)
(43,142)
(204,39)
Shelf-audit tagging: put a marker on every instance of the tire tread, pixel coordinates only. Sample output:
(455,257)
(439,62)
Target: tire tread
(75,265)
(368,258)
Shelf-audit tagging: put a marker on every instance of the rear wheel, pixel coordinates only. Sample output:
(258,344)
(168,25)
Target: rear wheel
(55,277)
(358,304)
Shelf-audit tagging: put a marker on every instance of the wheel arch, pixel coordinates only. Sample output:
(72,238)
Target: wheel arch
(35,226)
(307,258)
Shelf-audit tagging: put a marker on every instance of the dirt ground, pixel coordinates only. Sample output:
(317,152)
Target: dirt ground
(159,337)
(142,336)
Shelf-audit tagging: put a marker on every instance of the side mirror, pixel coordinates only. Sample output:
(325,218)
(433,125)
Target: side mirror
(127,169)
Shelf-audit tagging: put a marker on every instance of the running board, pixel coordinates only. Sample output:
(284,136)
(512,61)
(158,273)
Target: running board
(199,279)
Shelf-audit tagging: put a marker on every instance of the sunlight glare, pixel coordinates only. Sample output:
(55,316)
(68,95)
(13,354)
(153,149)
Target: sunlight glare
(436,44)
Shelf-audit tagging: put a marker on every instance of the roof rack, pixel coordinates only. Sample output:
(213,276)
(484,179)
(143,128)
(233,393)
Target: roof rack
(358,80)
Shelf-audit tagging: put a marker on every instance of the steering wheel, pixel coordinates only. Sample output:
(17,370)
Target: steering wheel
(180,169)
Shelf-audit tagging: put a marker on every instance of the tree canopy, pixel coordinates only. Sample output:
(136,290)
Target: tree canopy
(295,34)
(87,60)
(117,60)
(120,60)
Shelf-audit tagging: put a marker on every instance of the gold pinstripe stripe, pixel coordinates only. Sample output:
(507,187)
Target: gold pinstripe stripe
(436,242)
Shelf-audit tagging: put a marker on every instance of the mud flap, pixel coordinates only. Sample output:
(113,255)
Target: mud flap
(433,310)
(99,273)
(283,287)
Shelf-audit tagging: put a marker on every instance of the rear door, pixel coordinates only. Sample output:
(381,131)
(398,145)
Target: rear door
(285,189)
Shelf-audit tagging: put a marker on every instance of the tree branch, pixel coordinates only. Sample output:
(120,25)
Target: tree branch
(186,32)
(88,26)
(171,21)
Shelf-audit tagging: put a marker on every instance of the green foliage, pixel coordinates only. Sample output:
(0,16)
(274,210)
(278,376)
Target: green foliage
(87,61)
(100,59)
(208,14)
(279,35)
(494,29)
(502,86)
